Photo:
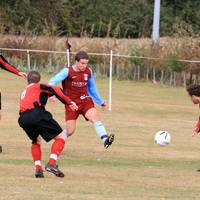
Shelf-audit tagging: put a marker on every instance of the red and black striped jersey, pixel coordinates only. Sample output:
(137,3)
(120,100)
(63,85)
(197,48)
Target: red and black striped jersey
(37,94)
(8,67)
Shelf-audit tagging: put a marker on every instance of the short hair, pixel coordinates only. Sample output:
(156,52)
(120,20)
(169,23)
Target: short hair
(33,77)
(193,90)
(81,55)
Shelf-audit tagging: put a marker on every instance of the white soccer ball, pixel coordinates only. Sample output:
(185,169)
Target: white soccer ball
(162,138)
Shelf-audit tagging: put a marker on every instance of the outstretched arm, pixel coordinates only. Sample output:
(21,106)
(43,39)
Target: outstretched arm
(54,90)
(8,67)
(196,129)
(60,76)
(93,91)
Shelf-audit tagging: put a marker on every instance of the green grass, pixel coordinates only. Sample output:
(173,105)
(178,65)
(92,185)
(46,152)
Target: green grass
(134,168)
(162,164)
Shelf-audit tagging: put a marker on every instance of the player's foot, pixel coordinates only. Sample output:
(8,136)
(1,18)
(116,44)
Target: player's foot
(39,174)
(54,169)
(109,140)
(198,170)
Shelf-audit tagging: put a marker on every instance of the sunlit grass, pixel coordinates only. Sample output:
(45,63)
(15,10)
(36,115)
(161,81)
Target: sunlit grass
(133,168)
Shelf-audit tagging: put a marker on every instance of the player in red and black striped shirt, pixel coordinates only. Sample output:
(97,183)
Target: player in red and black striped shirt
(37,121)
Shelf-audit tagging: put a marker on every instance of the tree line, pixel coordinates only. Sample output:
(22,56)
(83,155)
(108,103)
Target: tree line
(97,18)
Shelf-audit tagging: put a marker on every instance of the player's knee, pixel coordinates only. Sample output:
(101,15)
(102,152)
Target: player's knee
(70,132)
(37,141)
(62,135)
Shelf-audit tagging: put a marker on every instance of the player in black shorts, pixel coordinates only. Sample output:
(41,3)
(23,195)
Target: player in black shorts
(37,122)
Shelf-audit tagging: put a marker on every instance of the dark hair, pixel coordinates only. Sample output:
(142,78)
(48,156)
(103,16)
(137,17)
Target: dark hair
(81,55)
(33,77)
(193,90)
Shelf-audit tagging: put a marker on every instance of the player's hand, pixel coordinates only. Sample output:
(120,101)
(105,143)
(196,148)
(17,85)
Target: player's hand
(22,74)
(104,106)
(73,106)
(196,131)
(52,99)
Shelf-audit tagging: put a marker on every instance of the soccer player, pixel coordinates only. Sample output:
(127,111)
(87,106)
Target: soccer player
(38,122)
(8,67)
(194,93)
(78,83)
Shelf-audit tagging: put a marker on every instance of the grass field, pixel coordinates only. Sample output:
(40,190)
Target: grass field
(134,168)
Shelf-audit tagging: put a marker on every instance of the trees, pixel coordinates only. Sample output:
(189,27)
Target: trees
(96,18)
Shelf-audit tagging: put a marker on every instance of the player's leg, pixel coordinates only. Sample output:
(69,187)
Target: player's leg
(70,127)
(56,150)
(70,118)
(30,128)
(92,116)
(37,157)
(58,146)
(50,129)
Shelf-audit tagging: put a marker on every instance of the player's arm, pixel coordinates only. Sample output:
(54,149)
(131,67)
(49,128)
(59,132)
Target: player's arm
(54,90)
(93,91)
(196,129)
(60,76)
(8,67)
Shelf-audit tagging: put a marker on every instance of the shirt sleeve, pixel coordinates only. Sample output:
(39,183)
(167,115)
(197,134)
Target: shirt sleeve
(93,91)
(49,89)
(8,67)
(60,76)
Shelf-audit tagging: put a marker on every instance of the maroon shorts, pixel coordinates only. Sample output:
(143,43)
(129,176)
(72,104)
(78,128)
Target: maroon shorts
(83,106)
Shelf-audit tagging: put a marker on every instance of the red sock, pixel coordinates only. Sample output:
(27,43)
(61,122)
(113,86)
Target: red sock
(37,155)
(56,149)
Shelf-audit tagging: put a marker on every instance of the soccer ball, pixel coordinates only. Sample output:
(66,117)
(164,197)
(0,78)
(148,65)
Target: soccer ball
(162,138)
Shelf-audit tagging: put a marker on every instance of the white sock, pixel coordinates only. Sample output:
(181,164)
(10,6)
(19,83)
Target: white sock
(100,130)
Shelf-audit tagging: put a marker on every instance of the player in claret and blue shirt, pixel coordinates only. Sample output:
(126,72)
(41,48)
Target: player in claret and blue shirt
(78,83)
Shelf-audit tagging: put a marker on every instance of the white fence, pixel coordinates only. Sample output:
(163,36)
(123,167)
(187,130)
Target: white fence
(110,56)
(28,51)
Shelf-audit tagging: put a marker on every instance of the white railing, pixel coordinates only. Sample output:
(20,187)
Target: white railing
(110,55)
(28,51)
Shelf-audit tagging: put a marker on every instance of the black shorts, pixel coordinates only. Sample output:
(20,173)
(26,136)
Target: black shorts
(37,122)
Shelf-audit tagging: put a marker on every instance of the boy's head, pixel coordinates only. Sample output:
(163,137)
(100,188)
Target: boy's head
(33,77)
(81,55)
(82,60)
(194,92)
